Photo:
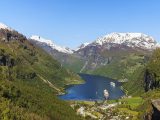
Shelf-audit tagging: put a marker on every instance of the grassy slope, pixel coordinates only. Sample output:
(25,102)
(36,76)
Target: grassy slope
(23,95)
(130,107)
(138,106)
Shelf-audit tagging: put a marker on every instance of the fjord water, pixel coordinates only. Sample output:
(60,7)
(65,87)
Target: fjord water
(93,89)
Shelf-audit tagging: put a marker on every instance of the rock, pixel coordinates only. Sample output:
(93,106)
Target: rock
(127,118)
(156,109)
(80,111)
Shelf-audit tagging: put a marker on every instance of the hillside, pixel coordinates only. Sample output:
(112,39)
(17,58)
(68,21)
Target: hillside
(151,83)
(30,79)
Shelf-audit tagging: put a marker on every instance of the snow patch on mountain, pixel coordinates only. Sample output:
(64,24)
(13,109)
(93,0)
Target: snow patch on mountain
(129,39)
(51,44)
(82,46)
(3,26)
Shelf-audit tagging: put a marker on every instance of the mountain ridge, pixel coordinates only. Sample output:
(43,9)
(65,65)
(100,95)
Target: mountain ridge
(139,40)
(130,39)
(51,44)
(103,51)
(133,40)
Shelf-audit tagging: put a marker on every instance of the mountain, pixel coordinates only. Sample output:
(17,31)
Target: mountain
(115,43)
(30,80)
(49,43)
(134,40)
(130,40)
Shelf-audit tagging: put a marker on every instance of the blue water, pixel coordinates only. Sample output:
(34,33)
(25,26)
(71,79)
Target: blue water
(93,89)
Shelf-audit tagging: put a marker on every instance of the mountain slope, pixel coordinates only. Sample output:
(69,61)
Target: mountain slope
(64,55)
(102,51)
(30,79)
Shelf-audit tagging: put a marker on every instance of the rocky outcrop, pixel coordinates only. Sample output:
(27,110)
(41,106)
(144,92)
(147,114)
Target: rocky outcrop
(150,81)
(156,109)
(7,36)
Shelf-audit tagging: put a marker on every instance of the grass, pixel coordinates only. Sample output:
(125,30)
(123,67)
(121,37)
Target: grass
(133,102)
(129,107)
(90,103)
(128,111)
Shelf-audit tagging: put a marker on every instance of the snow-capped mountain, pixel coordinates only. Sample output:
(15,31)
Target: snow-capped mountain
(3,26)
(134,40)
(101,52)
(106,49)
(51,44)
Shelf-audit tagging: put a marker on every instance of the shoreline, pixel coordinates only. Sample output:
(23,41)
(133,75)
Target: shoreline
(94,99)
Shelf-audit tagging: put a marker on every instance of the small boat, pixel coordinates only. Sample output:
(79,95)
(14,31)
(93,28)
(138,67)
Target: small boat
(112,84)
(106,94)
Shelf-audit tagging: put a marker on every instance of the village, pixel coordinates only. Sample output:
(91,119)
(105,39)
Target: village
(121,109)
(99,110)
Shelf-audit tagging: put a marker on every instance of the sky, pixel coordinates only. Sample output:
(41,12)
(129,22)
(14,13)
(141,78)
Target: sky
(73,22)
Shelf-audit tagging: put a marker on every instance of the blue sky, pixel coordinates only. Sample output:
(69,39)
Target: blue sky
(72,22)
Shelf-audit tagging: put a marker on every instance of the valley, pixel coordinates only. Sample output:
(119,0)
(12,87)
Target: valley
(37,64)
(120,56)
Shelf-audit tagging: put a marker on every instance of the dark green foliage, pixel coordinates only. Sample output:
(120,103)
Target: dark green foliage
(152,76)
(135,85)
(20,100)
(151,84)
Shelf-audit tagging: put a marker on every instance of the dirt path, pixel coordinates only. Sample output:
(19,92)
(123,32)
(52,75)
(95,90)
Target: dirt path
(50,84)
